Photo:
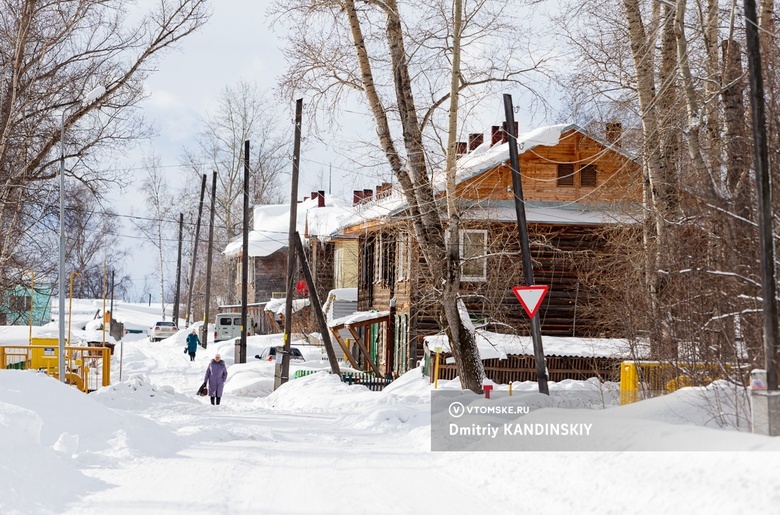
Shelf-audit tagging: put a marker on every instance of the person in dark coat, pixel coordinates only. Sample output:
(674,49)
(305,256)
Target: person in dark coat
(216,375)
(192,344)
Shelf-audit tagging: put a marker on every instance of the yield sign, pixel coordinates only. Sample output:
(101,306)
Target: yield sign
(530,297)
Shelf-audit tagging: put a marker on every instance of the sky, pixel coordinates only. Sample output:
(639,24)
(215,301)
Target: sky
(237,43)
(147,444)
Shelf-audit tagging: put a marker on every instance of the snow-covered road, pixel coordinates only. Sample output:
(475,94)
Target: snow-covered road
(148,445)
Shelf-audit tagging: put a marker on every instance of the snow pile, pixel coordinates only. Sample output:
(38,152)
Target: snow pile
(498,346)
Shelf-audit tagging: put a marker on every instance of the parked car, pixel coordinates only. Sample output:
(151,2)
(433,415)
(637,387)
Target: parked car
(162,330)
(269,354)
(228,325)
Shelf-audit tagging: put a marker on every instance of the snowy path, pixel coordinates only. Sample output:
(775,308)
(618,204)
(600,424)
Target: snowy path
(327,467)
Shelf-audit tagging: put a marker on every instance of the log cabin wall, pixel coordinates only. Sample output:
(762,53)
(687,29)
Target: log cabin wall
(270,272)
(561,255)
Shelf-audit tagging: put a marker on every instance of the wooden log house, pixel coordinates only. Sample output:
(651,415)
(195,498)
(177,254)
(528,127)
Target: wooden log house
(575,186)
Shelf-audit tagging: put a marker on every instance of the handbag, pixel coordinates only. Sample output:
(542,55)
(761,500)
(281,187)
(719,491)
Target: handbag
(203,390)
(185,350)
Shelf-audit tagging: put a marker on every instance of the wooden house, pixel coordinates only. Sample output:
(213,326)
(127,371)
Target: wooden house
(575,186)
(25,306)
(268,256)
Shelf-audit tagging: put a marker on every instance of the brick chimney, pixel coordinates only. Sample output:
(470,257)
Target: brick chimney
(319,196)
(495,135)
(384,190)
(475,140)
(504,134)
(357,197)
(368,194)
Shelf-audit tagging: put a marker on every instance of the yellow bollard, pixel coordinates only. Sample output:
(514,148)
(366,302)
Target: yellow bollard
(510,388)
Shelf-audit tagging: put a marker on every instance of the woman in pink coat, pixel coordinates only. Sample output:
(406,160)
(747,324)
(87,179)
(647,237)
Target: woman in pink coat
(216,375)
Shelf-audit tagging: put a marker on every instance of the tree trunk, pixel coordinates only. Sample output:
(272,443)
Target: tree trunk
(416,186)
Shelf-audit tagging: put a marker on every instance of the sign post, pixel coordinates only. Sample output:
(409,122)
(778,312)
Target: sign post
(531,298)
(525,244)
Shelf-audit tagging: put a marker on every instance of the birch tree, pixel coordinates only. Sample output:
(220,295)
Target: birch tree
(51,53)
(157,226)
(402,68)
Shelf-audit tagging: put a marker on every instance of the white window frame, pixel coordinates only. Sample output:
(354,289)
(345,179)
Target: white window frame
(474,278)
(378,258)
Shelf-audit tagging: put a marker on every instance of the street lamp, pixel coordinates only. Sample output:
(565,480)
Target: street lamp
(88,99)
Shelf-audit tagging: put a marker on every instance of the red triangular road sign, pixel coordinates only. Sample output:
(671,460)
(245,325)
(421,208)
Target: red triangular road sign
(530,297)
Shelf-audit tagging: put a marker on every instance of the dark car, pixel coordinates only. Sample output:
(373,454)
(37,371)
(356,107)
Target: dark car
(269,354)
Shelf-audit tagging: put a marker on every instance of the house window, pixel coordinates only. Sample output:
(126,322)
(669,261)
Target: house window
(388,261)
(404,256)
(367,263)
(588,175)
(565,174)
(473,247)
(19,303)
(366,277)
(384,260)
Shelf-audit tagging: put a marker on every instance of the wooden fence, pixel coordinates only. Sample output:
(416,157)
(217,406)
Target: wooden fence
(372,382)
(523,368)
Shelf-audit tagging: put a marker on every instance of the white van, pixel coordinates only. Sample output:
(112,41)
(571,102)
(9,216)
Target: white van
(228,326)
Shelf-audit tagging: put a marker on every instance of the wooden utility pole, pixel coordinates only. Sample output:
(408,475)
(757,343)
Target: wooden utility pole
(178,272)
(195,253)
(316,306)
(284,370)
(204,329)
(244,259)
(525,245)
(764,190)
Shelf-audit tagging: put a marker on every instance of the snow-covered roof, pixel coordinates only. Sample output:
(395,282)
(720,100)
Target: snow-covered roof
(357,317)
(485,157)
(499,346)
(277,306)
(374,209)
(482,159)
(350,294)
(271,224)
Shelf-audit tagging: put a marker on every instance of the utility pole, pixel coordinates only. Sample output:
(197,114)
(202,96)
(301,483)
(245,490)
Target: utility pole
(315,304)
(204,328)
(766,403)
(525,245)
(111,305)
(178,272)
(283,372)
(195,253)
(244,259)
